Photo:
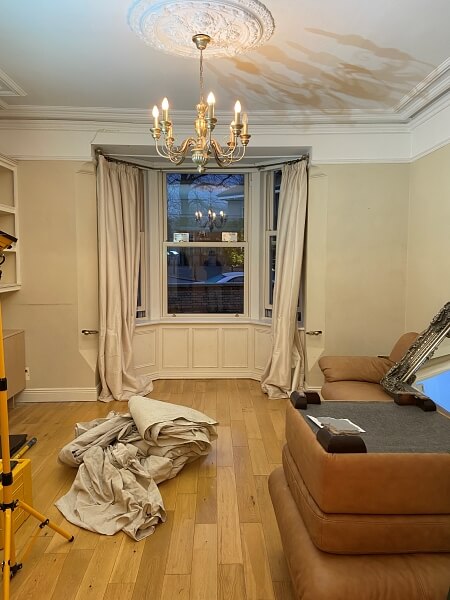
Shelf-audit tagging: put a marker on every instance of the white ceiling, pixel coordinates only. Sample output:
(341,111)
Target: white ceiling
(346,61)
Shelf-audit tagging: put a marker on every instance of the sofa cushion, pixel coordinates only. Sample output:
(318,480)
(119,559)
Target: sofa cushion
(402,345)
(354,368)
(354,390)
(365,534)
(318,575)
(373,483)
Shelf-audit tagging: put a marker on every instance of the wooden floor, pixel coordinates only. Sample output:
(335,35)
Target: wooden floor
(220,540)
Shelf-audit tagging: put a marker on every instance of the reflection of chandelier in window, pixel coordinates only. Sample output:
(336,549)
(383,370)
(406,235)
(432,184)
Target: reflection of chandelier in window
(211,219)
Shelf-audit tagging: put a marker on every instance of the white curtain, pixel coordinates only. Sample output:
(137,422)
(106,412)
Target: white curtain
(285,369)
(120,192)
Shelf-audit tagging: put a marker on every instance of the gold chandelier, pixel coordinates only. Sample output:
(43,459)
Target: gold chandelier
(204,145)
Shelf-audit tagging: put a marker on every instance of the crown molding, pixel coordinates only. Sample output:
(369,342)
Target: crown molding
(421,98)
(430,150)
(58,139)
(439,105)
(186,117)
(426,92)
(8,87)
(284,129)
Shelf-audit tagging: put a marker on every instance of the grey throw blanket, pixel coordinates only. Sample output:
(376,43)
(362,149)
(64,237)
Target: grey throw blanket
(123,457)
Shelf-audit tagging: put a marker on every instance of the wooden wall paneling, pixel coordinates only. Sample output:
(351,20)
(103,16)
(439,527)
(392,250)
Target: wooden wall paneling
(205,347)
(175,347)
(145,350)
(262,344)
(235,347)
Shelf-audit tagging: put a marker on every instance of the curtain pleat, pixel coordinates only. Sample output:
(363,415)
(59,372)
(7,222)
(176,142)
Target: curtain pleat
(285,369)
(120,192)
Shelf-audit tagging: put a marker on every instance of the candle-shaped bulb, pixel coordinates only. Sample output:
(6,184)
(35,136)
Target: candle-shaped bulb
(245,124)
(237,112)
(155,114)
(211,102)
(214,215)
(165,109)
(221,213)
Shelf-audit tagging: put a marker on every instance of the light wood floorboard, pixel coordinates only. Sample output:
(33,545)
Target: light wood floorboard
(220,540)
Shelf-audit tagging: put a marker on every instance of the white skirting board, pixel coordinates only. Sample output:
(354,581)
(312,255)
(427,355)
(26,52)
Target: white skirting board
(92,394)
(58,395)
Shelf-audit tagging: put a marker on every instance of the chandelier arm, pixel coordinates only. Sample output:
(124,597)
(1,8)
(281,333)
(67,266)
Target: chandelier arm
(219,150)
(161,153)
(181,150)
(175,155)
(231,160)
(224,159)
(231,152)
(175,159)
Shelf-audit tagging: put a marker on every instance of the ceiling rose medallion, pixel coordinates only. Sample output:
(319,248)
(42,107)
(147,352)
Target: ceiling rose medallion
(234,26)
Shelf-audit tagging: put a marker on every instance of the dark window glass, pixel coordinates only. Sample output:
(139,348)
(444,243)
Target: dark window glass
(276,198)
(272,258)
(205,280)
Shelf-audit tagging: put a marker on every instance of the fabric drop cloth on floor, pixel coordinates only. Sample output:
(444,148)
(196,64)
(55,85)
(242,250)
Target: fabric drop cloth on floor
(122,458)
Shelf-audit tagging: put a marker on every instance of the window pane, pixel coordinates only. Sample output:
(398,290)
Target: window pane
(272,258)
(205,280)
(276,198)
(190,195)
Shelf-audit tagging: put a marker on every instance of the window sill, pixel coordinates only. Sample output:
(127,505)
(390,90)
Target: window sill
(241,320)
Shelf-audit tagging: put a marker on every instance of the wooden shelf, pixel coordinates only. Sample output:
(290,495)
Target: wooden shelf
(9,223)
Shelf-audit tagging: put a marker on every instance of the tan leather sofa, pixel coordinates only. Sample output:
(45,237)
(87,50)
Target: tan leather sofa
(358,377)
(362,526)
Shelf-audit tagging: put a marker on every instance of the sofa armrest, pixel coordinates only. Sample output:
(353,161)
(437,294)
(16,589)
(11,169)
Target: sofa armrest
(354,368)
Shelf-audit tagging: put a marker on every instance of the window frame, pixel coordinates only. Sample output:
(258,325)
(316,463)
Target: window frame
(165,245)
(142,278)
(144,259)
(270,232)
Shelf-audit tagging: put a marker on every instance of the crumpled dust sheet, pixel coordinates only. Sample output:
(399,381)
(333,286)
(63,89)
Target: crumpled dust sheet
(123,457)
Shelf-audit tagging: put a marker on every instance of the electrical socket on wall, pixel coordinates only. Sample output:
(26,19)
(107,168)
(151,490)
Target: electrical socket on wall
(27,373)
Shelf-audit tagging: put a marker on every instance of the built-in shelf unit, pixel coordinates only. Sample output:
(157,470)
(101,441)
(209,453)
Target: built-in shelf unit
(9,223)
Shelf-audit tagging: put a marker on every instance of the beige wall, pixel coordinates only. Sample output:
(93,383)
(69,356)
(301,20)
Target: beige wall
(58,297)
(366,252)
(369,273)
(428,260)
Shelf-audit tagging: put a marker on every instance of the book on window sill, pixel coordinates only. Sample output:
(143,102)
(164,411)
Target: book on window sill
(337,426)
